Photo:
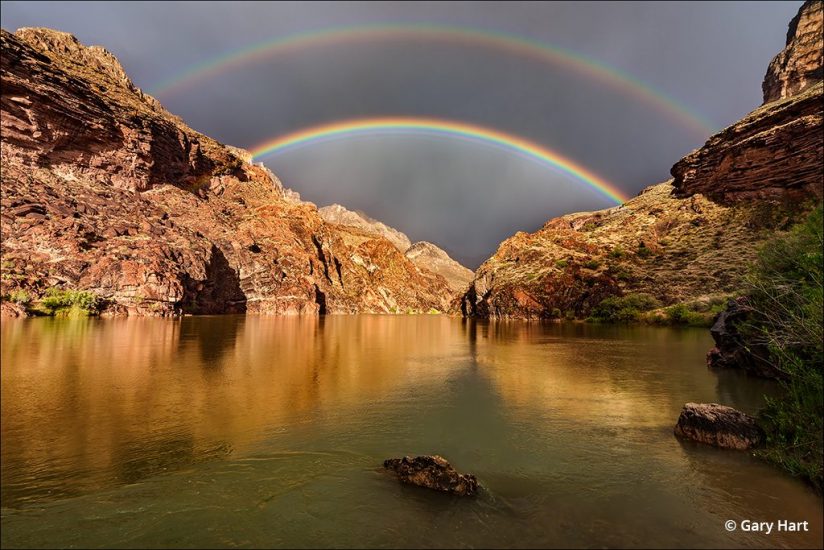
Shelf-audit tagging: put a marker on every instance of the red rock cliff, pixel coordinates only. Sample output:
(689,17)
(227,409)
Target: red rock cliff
(104,190)
(799,65)
(777,151)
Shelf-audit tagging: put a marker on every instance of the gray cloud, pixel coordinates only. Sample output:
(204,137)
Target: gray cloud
(466,197)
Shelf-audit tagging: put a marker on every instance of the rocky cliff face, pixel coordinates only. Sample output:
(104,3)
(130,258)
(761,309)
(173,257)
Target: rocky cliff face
(104,190)
(799,65)
(688,238)
(429,256)
(340,215)
(425,255)
(675,249)
(775,152)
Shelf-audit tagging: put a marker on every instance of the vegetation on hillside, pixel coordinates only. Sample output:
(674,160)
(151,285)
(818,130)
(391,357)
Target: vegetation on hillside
(785,290)
(58,302)
(645,308)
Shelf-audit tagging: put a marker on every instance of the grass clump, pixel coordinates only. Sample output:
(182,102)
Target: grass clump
(624,309)
(561,264)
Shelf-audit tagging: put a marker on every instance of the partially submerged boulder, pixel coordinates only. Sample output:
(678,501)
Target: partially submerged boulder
(718,425)
(432,472)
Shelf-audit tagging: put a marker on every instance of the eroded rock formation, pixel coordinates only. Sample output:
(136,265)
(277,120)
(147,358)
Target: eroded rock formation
(674,249)
(425,255)
(799,65)
(688,238)
(335,213)
(718,425)
(429,256)
(776,152)
(104,190)
(432,472)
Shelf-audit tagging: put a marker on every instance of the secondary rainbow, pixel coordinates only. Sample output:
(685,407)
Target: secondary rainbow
(437,126)
(495,40)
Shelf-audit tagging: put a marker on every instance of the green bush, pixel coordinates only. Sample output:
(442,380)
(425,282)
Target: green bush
(622,309)
(643,251)
(617,252)
(560,264)
(682,314)
(592,264)
(69,303)
(555,313)
(786,293)
(19,297)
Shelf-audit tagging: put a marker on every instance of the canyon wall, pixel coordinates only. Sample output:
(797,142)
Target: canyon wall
(104,190)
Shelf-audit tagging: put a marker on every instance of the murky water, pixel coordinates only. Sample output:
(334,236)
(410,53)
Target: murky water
(261,432)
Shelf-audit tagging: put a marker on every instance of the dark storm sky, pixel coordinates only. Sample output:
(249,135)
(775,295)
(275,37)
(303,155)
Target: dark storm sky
(465,197)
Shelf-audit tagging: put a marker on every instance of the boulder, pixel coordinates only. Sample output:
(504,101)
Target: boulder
(432,472)
(718,425)
(732,350)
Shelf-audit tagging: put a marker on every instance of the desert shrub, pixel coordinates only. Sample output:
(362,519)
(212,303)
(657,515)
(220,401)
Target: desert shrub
(19,297)
(61,302)
(683,314)
(617,252)
(560,264)
(592,264)
(643,251)
(622,309)
(784,289)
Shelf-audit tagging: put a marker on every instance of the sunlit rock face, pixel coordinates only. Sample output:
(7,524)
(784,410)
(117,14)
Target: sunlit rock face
(799,65)
(688,238)
(425,255)
(674,249)
(104,190)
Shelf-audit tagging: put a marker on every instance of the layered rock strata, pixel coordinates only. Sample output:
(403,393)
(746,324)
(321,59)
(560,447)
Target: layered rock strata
(104,190)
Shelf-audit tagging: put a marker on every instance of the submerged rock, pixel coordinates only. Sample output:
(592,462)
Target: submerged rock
(432,472)
(718,425)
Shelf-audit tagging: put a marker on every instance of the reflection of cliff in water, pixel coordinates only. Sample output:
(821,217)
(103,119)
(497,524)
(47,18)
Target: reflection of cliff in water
(131,398)
(539,367)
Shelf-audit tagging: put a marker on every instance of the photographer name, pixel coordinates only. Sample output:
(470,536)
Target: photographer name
(781,525)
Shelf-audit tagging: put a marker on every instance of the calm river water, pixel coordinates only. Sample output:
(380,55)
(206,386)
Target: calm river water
(270,431)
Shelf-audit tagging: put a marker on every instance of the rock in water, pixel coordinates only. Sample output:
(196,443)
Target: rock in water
(432,472)
(718,425)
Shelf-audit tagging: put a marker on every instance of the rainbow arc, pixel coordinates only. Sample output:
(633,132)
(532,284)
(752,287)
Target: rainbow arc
(480,38)
(440,127)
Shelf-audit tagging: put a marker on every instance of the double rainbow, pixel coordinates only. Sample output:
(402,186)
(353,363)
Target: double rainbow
(482,38)
(440,127)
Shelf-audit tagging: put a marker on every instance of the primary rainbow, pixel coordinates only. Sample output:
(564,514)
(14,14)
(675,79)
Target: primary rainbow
(346,128)
(427,33)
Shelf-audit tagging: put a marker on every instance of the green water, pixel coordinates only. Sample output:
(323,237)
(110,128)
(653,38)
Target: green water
(264,431)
